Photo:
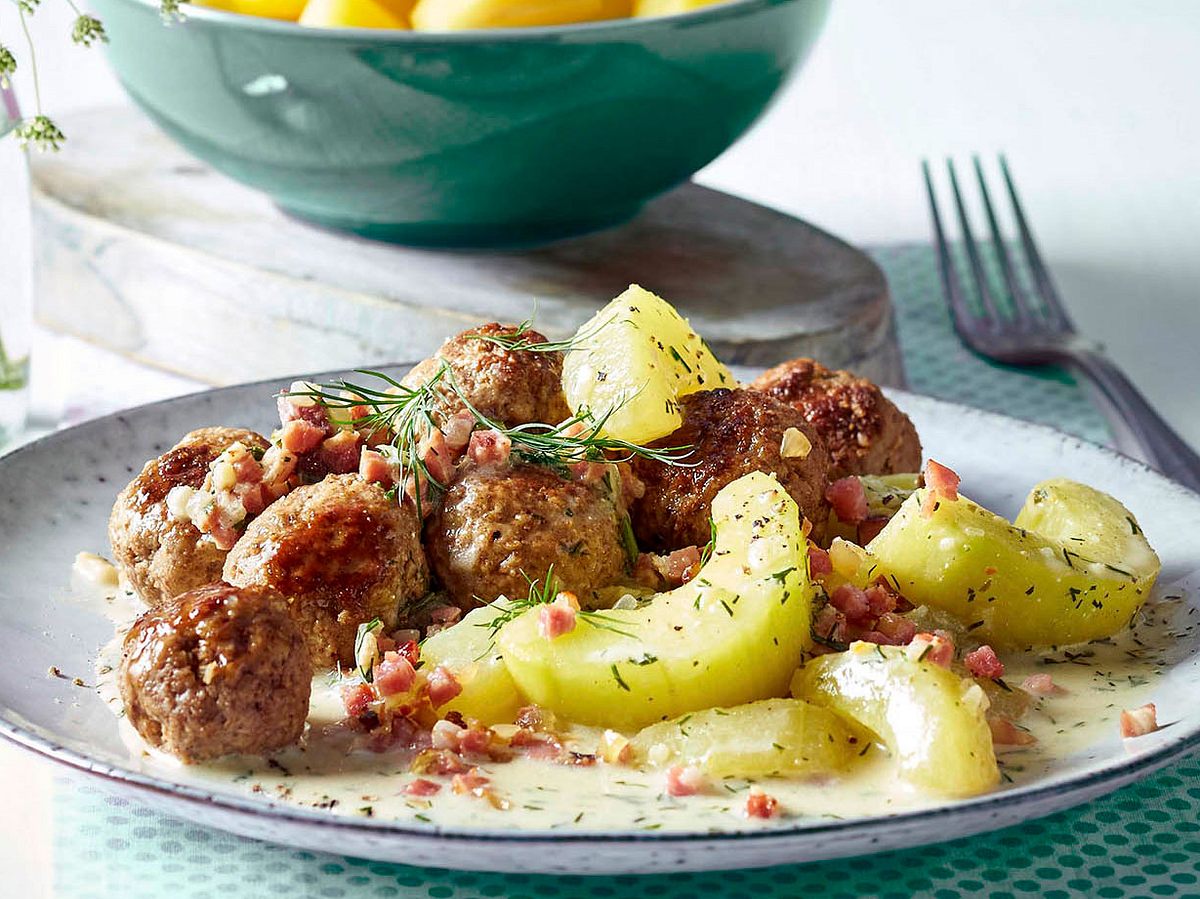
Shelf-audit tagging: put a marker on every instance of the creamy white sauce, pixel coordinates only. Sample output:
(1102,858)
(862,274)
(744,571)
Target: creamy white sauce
(326,771)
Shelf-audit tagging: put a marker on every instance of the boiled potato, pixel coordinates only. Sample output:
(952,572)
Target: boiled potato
(732,634)
(356,14)
(646,8)
(1075,566)
(635,358)
(931,720)
(785,737)
(456,15)
(468,650)
(288,10)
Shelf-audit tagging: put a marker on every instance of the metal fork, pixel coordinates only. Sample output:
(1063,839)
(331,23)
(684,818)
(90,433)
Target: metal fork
(1036,330)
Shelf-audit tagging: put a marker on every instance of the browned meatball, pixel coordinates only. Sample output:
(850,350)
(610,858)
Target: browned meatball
(500,524)
(732,432)
(341,552)
(214,671)
(510,386)
(159,555)
(863,430)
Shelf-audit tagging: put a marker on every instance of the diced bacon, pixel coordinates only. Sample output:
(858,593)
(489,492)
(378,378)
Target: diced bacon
(422,787)
(533,718)
(446,735)
(937,649)
(477,740)
(851,602)
(942,484)
(685,780)
(443,686)
(339,454)
(470,781)
(675,568)
(632,487)
(253,497)
(357,699)
(438,457)
(880,600)
(409,649)
(394,675)
(869,529)
(819,563)
(410,491)
(301,436)
(761,805)
(538,746)
(896,629)
(1005,733)
(489,447)
(458,430)
(829,624)
(220,528)
(984,662)
(374,467)
(246,468)
(848,499)
(1140,721)
(1041,685)
(301,408)
(445,615)
(556,618)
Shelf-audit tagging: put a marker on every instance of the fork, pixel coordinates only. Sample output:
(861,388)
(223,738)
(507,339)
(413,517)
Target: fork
(1035,329)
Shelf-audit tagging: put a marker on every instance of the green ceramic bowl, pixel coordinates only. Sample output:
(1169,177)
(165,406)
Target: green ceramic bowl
(479,138)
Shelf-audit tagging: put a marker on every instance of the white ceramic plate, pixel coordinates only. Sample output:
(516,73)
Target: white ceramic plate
(55,496)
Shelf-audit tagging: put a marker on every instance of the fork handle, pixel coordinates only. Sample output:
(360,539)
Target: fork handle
(1164,449)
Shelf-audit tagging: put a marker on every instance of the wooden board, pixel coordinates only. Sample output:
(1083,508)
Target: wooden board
(142,249)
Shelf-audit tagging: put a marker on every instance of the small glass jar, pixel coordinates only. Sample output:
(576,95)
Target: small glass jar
(16,288)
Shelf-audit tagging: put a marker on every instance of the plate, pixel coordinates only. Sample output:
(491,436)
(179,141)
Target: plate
(55,495)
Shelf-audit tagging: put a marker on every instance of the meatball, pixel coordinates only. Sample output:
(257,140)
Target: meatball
(214,671)
(159,555)
(732,433)
(863,430)
(500,526)
(342,553)
(510,386)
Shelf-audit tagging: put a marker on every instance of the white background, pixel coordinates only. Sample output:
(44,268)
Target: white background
(1097,105)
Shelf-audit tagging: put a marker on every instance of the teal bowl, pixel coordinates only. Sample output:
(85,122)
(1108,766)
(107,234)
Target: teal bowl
(478,138)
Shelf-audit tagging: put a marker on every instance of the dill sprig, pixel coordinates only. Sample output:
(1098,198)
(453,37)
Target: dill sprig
(542,592)
(519,339)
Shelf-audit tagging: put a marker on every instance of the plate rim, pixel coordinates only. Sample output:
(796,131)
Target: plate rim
(1114,773)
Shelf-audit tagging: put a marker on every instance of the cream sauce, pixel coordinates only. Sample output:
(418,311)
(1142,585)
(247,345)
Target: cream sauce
(326,771)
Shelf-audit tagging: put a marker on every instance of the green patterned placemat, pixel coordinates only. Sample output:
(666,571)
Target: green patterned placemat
(1142,841)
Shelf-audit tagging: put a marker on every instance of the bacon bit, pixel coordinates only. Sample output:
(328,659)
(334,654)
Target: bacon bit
(852,602)
(410,650)
(819,563)
(533,718)
(1140,721)
(1041,685)
(438,458)
(357,699)
(880,599)
(830,625)
(848,499)
(339,454)
(671,570)
(301,436)
(442,617)
(443,686)
(761,805)
(869,529)
(489,447)
(374,467)
(633,488)
(301,408)
(394,675)
(470,781)
(478,740)
(984,662)
(942,484)
(588,472)
(253,497)
(458,431)
(538,746)
(422,787)
(1005,733)
(557,618)
(440,762)
(895,629)
(685,780)
(937,649)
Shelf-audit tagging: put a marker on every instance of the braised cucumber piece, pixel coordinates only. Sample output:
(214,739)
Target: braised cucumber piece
(773,737)
(1075,566)
(468,650)
(931,720)
(732,634)
(632,361)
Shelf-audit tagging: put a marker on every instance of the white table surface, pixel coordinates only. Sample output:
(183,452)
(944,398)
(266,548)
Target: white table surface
(1096,103)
